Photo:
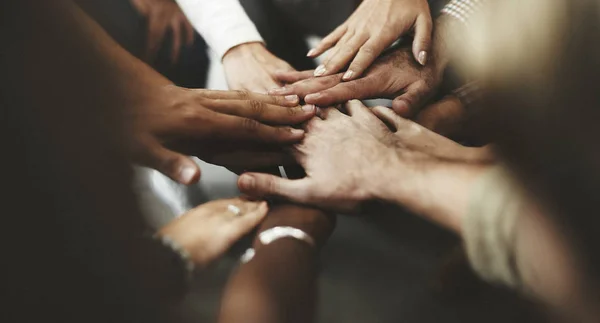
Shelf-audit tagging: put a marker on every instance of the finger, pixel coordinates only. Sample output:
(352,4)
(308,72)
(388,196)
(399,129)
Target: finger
(364,58)
(407,104)
(309,86)
(264,112)
(176,166)
(347,50)
(446,117)
(265,185)
(331,113)
(248,221)
(246,96)
(389,117)
(239,128)
(328,41)
(422,41)
(363,88)
(176,35)
(292,76)
(356,107)
(322,70)
(156,34)
(189,31)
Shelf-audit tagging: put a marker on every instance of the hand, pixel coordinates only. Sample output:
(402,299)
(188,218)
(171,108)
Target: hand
(225,127)
(348,159)
(372,28)
(209,230)
(251,67)
(162,16)
(446,117)
(395,76)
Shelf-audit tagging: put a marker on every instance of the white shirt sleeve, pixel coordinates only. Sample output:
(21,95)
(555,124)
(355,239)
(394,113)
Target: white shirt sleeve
(222,23)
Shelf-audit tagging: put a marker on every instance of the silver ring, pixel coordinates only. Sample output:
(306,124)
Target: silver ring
(234,209)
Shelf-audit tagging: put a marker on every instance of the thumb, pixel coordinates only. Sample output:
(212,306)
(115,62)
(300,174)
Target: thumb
(407,104)
(178,167)
(422,40)
(265,185)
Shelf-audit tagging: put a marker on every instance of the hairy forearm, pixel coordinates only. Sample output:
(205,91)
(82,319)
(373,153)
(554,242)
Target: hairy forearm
(439,191)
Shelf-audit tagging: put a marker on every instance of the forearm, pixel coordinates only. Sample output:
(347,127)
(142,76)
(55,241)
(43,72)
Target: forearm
(279,283)
(439,191)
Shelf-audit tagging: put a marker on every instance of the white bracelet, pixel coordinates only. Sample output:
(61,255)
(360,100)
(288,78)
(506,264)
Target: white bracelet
(276,233)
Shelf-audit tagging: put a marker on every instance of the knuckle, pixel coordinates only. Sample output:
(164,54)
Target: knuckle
(292,111)
(242,95)
(257,108)
(249,125)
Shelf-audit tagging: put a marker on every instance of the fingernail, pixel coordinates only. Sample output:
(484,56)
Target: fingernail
(320,70)
(186,174)
(308,108)
(311,52)
(312,97)
(295,131)
(423,58)
(291,98)
(348,75)
(247,181)
(277,90)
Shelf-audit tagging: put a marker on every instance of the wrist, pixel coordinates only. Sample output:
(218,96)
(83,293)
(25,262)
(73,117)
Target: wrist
(243,51)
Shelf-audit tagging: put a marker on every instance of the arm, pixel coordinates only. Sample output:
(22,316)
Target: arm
(223,23)
(279,283)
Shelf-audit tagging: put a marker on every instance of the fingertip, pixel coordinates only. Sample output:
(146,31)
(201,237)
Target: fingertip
(311,53)
(422,58)
(188,174)
(246,182)
(401,107)
(312,98)
(349,75)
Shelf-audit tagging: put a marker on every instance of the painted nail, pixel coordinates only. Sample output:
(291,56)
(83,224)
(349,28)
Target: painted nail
(308,108)
(320,70)
(311,52)
(423,58)
(187,173)
(291,98)
(247,181)
(348,75)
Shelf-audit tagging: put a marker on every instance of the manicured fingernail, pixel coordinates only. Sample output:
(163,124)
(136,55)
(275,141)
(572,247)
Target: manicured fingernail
(311,52)
(308,108)
(186,174)
(312,97)
(247,182)
(320,70)
(348,75)
(423,58)
(291,98)
(295,131)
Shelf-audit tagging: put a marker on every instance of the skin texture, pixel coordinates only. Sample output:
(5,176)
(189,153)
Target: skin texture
(163,17)
(346,157)
(209,230)
(222,127)
(280,283)
(252,67)
(165,123)
(395,75)
(372,28)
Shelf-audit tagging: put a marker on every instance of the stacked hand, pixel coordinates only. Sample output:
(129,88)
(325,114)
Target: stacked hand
(348,158)
(251,67)
(372,28)
(164,16)
(232,129)
(209,230)
(395,76)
